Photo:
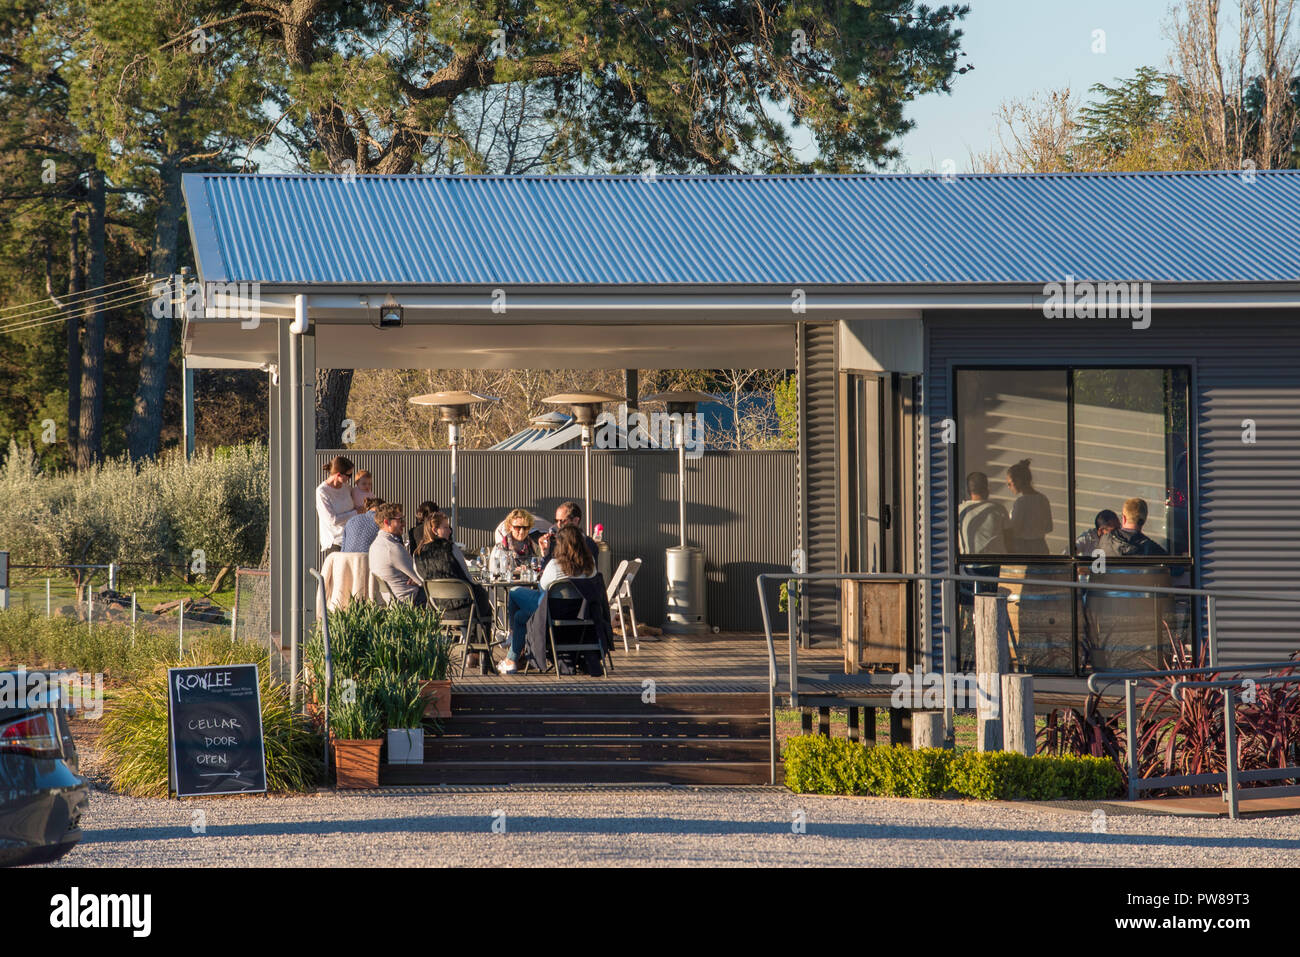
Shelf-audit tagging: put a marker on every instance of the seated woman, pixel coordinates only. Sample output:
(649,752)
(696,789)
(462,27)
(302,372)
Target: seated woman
(422,513)
(571,560)
(520,542)
(436,556)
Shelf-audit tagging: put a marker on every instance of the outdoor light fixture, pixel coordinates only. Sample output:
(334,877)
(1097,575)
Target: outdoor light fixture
(453,408)
(585,407)
(684,564)
(390,314)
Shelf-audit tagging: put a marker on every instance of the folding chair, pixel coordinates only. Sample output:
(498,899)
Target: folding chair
(620,590)
(564,604)
(464,624)
(385,591)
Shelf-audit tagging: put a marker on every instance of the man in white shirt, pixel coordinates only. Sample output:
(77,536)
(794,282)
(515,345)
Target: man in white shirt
(390,560)
(982,524)
(334,505)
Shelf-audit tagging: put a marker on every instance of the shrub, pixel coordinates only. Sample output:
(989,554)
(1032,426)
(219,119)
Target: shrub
(156,512)
(134,732)
(816,764)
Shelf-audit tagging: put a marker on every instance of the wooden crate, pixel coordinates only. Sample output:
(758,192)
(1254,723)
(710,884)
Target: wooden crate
(878,625)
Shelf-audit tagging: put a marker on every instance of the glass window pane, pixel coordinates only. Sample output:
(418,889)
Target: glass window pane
(1012,452)
(1123,628)
(1130,441)
(1037,618)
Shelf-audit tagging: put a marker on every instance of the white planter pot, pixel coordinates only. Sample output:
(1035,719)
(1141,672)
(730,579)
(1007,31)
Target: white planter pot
(406,746)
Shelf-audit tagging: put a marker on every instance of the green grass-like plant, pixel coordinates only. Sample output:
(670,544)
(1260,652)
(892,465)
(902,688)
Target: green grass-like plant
(387,652)
(28,638)
(134,732)
(815,764)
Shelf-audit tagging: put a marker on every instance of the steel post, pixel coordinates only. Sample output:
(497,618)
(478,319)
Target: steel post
(1130,735)
(1211,633)
(1230,746)
(453,441)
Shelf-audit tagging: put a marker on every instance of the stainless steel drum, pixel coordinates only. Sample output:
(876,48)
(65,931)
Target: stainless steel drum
(687,613)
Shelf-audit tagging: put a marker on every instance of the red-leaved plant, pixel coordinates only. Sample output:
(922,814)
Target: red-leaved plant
(1186,736)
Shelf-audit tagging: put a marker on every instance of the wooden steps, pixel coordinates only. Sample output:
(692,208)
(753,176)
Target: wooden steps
(595,737)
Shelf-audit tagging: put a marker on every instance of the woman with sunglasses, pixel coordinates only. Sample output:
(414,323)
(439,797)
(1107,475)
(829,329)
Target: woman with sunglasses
(518,539)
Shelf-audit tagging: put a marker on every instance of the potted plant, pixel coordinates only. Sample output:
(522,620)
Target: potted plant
(356,726)
(436,690)
(403,708)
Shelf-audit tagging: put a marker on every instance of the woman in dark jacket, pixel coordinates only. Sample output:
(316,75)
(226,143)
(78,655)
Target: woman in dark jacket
(416,531)
(436,556)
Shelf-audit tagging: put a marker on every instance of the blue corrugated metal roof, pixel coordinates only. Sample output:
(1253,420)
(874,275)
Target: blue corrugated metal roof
(388,230)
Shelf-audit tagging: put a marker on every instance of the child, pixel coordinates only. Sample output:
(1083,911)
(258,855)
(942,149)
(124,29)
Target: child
(362,488)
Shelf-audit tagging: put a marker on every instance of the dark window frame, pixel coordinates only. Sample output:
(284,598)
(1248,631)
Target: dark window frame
(956,486)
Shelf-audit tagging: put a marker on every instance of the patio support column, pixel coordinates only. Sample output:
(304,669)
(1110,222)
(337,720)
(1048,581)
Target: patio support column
(301,454)
(276,537)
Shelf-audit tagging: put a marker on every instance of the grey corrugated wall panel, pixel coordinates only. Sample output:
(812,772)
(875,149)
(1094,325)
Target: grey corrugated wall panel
(740,508)
(819,424)
(1245,365)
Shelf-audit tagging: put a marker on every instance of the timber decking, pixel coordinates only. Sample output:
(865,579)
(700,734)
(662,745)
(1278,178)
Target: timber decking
(680,710)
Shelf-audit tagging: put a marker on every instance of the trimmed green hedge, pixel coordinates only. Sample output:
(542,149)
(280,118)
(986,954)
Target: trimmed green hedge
(815,764)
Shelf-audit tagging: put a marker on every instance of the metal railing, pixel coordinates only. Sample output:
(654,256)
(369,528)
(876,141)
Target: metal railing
(1231,776)
(949,581)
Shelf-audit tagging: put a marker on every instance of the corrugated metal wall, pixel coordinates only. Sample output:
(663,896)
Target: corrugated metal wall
(1245,365)
(740,508)
(819,448)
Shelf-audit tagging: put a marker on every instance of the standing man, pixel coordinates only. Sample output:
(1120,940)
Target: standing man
(390,560)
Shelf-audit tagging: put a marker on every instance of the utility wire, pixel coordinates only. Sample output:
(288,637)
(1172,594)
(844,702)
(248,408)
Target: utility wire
(73,297)
(32,323)
(50,309)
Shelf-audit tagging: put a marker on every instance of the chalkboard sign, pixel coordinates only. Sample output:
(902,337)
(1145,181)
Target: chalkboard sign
(215,716)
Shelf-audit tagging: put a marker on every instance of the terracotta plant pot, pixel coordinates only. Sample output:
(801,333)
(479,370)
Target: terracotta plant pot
(356,763)
(437,698)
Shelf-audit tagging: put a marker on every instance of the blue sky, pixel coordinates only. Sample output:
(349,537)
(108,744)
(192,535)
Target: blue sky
(1023,47)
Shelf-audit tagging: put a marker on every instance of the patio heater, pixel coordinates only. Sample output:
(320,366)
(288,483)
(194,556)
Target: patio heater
(453,408)
(683,565)
(584,406)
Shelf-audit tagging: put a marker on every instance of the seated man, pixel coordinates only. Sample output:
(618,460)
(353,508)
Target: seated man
(389,559)
(1128,540)
(1105,523)
(361,530)
(567,514)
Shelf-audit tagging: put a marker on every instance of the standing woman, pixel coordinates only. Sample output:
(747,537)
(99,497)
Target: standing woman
(334,504)
(1031,513)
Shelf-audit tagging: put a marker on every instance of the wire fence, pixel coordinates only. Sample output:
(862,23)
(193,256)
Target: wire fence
(101,593)
(251,618)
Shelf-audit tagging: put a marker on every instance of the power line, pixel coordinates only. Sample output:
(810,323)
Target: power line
(31,323)
(80,304)
(80,295)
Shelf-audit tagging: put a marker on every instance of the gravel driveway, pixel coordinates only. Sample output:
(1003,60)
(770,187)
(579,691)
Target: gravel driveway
(654,827)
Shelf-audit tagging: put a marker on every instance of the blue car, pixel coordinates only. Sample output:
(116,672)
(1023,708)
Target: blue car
(42,794)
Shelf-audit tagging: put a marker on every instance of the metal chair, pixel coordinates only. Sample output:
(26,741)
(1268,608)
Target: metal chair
(385,591)
(466,624)
(620,590)
(564,604)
